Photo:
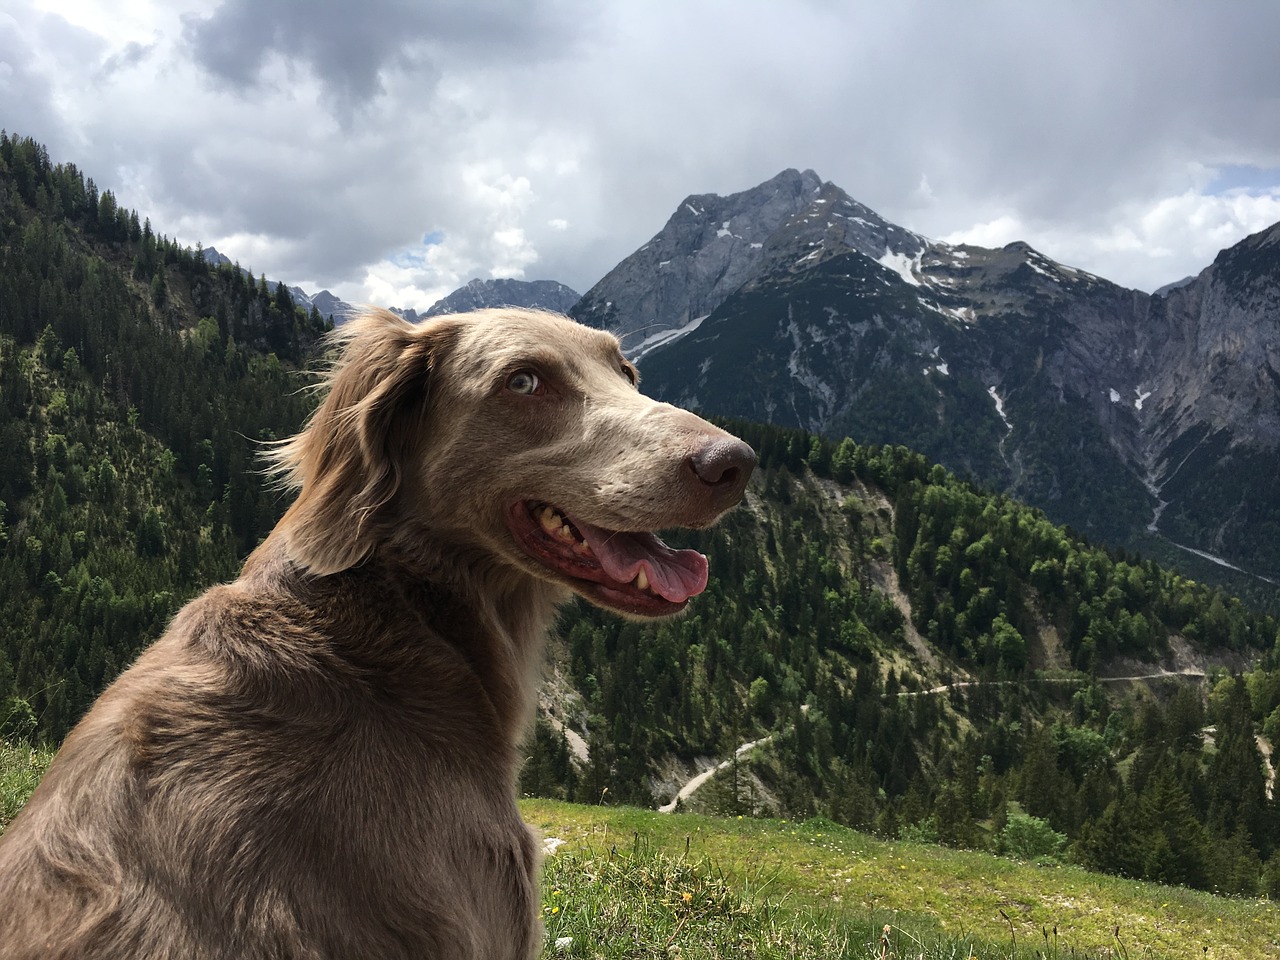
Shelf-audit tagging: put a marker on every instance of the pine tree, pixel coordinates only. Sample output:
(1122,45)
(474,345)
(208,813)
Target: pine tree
(1174,849)
(1237,785)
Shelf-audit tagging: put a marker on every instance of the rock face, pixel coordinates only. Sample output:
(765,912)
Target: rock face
(1211,426)
(1124,414)
(1221,335)
(480,294)
(713,245)
(331,306)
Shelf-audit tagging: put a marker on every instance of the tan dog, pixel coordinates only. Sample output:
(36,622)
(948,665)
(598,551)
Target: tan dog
(319,759)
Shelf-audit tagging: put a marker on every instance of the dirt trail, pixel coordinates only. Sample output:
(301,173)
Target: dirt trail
(692,786)
(958,684)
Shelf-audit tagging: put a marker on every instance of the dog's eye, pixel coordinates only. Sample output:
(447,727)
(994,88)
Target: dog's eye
(524,382)
(629,372)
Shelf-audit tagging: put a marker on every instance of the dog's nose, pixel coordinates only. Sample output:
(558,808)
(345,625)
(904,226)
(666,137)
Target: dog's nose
(724,464)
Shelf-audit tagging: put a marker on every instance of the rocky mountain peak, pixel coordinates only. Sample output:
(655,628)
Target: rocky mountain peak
(1220,343)
(712,246)
(838,223)
(504,292)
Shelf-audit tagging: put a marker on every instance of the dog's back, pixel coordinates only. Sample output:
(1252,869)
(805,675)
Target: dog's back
(258,785)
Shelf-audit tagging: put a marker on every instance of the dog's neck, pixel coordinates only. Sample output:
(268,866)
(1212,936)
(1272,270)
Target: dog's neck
(496,618)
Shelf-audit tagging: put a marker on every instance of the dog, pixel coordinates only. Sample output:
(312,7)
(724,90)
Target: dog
(319,759)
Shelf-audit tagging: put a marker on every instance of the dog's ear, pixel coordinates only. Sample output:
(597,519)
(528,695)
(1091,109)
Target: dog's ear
(347,463)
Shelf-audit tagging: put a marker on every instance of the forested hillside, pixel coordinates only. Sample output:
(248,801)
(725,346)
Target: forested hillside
(134,380)
(921,658)
(992,705)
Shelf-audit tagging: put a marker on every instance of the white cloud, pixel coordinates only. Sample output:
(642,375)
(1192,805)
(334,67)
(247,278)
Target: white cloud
(415,278)
(116,23)
(1142,245)
(991,233)
(560,135)
(513,252)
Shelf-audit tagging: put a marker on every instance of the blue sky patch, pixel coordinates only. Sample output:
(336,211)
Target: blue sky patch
(1246,177)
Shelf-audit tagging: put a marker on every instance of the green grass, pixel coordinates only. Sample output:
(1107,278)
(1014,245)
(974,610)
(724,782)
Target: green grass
(768,888)
(629,884)
(21,768)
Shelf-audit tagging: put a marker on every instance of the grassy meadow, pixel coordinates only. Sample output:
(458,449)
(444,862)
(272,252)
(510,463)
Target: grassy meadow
(630,883)
(21,767)
(625,884)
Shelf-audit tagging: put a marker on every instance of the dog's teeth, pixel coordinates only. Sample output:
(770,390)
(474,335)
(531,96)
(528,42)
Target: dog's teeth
(642,580)
(565,533)
(550,520)
(583,548)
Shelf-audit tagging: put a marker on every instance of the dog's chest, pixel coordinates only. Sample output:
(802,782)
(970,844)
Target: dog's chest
(441,867)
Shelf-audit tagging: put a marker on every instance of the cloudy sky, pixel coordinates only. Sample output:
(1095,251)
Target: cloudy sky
(391,150)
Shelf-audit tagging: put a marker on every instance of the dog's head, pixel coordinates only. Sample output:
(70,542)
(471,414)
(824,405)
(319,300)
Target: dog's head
(515,433)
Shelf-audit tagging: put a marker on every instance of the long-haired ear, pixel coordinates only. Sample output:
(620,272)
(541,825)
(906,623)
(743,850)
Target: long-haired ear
(347,462)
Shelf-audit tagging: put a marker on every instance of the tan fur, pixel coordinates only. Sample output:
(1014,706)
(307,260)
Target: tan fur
(319,759)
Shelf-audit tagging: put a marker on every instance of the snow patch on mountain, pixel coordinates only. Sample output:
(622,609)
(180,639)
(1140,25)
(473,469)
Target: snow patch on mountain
(663,338)
(821,393)
(809,256)
(940,367)
(999,402)
(1214,558)
(902,265)
(1041,270)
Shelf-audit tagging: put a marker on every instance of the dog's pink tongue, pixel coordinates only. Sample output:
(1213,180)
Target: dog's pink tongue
(674,575)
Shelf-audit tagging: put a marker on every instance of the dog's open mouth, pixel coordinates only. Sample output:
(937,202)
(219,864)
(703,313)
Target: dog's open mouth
(631,571)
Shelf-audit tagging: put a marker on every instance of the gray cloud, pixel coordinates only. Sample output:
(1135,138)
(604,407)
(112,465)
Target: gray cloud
(1061,115)
(554,138)
(130,56)
(348,46)
(27,91)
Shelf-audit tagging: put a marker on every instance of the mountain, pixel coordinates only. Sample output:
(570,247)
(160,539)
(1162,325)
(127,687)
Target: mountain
(1146,421)
(1162,291)
(479,294)
(476,295)
(713,245)
(886,646)
(328,306)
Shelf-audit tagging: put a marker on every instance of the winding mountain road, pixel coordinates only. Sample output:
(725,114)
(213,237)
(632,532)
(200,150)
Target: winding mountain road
(694,783)
(960,684)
